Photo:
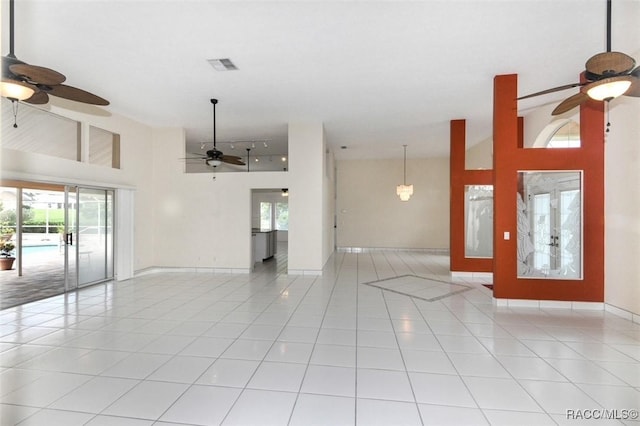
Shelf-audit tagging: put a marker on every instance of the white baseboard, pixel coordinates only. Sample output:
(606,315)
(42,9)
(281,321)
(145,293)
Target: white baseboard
(305,272)
(557,304)
(549,304)
(375,249)
(623,313)
(157,269)
(472,275)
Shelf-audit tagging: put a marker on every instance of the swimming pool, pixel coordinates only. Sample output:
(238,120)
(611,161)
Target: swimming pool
(27,250)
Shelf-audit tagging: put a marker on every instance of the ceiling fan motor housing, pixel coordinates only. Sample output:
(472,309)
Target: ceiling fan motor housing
(214,153)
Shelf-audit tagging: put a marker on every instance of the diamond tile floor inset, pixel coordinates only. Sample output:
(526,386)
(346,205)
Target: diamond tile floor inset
(419,287)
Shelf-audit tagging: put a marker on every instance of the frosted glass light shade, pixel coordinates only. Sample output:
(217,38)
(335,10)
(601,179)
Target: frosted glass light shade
(16,90)
(214,162)
(404,192)
(609,88)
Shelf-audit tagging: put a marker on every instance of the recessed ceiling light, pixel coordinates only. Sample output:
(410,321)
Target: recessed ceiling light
(223,64)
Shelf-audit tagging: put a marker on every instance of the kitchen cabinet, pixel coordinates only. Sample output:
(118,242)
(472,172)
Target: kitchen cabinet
(265,243)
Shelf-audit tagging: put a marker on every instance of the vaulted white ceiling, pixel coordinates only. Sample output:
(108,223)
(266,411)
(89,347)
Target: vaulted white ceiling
(377,74)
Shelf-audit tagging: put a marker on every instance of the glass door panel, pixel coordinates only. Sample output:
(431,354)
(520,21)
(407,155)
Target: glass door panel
(70,238)
(550,225)
(110,196)
(542,232)
(41,249)
(478,226)
(95,236)
(569,246)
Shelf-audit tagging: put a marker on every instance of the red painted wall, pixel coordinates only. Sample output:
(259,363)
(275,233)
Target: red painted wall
(509,158)
(459,177)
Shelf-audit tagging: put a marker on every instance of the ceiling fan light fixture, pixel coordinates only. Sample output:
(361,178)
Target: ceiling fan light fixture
(214,162)
(609,88)
(16,90)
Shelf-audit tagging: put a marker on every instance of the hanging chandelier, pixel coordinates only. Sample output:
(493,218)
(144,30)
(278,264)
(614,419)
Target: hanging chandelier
(404,191)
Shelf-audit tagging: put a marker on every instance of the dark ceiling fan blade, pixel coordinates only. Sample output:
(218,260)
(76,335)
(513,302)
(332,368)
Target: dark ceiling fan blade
(38,98)
(610,63)
(36,74)
(570,103)
(232,156)
(232,160)
(75,94)
(552,90)
(634,90)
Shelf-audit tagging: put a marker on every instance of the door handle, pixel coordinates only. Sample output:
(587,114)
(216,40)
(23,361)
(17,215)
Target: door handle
(68,239)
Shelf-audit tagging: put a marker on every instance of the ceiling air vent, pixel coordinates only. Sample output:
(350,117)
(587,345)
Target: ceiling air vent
(224,64)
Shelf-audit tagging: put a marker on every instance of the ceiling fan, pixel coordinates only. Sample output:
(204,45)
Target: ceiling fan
(33,84)
(215,157)
(608,74)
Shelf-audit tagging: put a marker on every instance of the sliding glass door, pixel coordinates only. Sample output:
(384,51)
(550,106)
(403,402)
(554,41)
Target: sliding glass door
(40,254)
(62,238)
(94,235)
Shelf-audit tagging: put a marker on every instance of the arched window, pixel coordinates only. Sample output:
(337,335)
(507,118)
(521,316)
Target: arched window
(564,133)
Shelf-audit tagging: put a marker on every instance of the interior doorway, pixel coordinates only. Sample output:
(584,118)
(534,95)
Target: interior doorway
(61,238)
(270,229)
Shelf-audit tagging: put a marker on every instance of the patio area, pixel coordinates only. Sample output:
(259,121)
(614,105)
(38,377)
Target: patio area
(42,276)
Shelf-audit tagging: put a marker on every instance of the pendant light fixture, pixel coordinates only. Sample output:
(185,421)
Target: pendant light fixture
(404,191)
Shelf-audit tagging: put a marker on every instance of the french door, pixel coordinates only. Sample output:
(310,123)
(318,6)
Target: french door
(549,240)
(552,229)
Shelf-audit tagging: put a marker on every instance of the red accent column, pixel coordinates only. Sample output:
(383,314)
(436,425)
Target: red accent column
(509,158)
(459,178)
(505,142)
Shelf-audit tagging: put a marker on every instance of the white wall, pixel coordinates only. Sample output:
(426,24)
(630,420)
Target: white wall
(192,220)
(622,205)
(370,214)
(135,169)
(480,156)
(308,229)
(206,223)
(328,203)
(200,221)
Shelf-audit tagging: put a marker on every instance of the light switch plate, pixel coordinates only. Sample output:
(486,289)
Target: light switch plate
(507,235)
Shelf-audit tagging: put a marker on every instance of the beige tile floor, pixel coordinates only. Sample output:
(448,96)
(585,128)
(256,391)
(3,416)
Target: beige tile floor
(273,349)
